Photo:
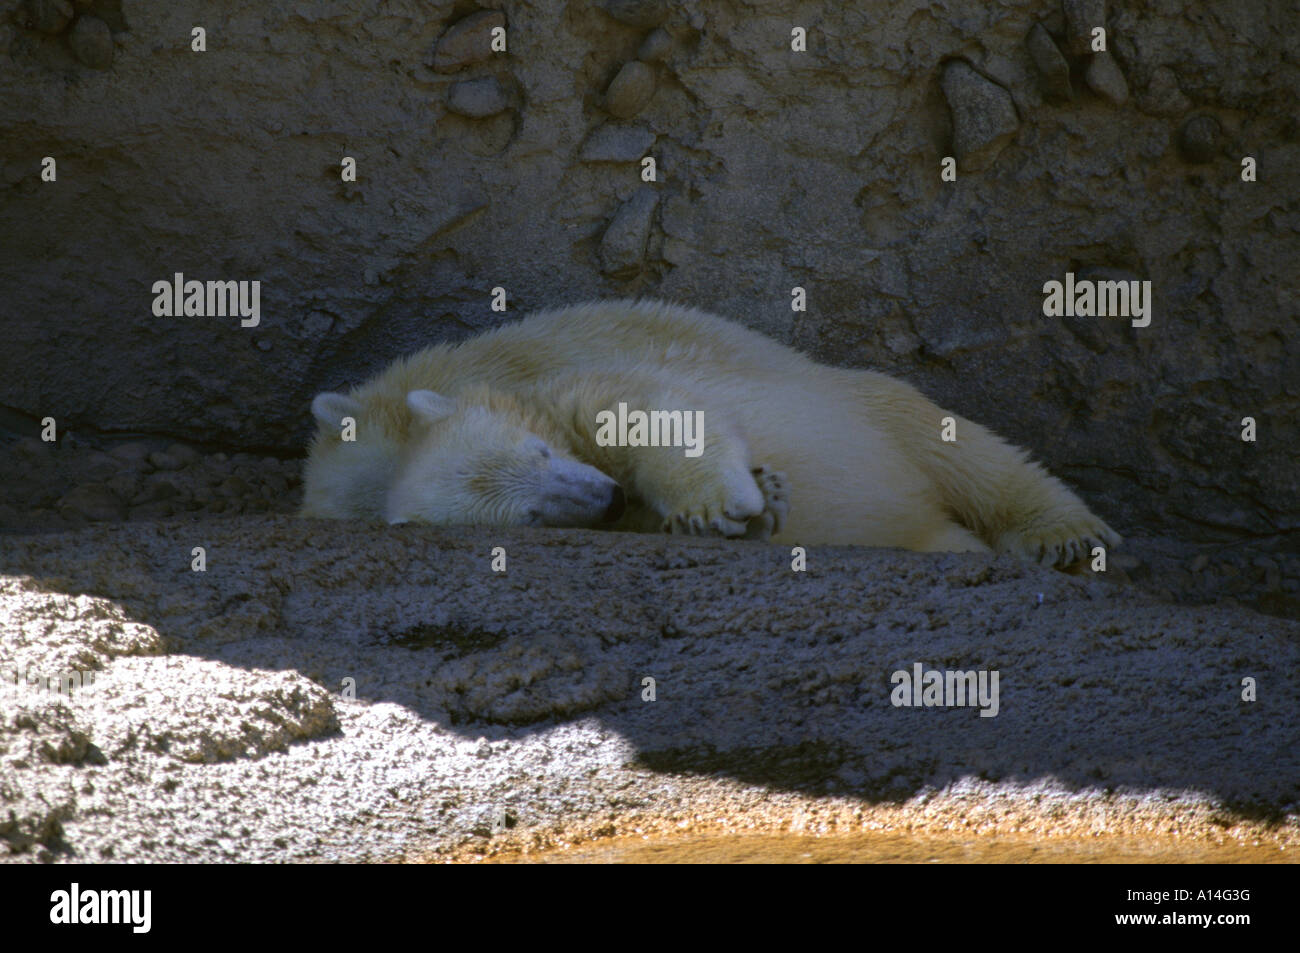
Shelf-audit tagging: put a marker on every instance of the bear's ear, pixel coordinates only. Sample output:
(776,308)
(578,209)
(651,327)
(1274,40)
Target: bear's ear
(430,406)
(330,409)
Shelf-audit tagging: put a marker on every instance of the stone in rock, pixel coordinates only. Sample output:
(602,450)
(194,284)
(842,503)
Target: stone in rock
(1198,140)
(132,453)
(638,13)
(466,41)
(32,448)
(92,42)
(655,47)
(157,488)
(983,117)
(92,501)
(185,454)
(100,467)
(49,16)
(1081,18)
(622,248)
(1163,97)
(1106,80)
(233,487)
(617,143)
(1053,70)
(158,509)
(125,484)
(161,460)
(631,90)
(477,98)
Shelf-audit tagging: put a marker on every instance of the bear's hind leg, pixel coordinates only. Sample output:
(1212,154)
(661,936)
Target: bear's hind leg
(992,487)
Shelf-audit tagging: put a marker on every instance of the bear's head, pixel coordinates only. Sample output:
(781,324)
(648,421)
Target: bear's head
(353,458)
(482,462)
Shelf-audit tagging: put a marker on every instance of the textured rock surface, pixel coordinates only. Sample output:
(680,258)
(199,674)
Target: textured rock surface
(477,98)
(983,116)
(777,169)
(92,42)
(1053,70)
(327,691)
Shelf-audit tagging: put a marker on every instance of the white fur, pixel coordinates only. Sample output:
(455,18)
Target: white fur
(858,454)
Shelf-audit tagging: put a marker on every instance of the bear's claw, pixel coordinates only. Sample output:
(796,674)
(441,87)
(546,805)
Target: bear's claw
(736,499)
(1061,544)
(755,511)
(776,508)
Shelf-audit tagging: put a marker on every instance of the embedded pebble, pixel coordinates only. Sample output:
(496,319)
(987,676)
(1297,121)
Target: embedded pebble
(1162,96)
(1105,78)
(622,248)
(1081,18)
(467,41)
(49,16)
(159,509)
(130,452)
(157,488)
(100,467)
(94,501)
(31,448)
(631,90)
(477,98)
(125,484)
(1198,140)
(638,13)
(983,118)
(92,42)
(1053,70)
(234,487)
(161,460)
(655,47)
(185,454)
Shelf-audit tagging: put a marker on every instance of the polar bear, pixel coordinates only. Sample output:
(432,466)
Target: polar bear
(504,429)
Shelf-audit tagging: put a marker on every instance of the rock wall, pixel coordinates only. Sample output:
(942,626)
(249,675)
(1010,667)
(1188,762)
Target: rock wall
(775,169)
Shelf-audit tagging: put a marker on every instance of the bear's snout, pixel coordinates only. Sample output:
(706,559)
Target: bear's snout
(575,494)
(617,503)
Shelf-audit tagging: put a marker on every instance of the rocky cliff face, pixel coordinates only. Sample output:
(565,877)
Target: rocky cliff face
(775,169)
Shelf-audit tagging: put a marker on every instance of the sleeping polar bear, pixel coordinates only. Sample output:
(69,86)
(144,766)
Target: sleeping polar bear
(512,428)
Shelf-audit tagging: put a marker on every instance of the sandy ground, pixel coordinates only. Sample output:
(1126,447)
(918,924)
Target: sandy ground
(327,692)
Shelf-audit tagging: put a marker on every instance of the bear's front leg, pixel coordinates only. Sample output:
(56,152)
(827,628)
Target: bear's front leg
(715,494)
(705,500)
(698,487)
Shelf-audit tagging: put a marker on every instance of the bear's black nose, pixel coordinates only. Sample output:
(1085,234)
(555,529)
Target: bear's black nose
(616,506)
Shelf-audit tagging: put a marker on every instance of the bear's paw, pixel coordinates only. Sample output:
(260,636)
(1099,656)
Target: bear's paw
(776,504)
(1060,542)
(721,510)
